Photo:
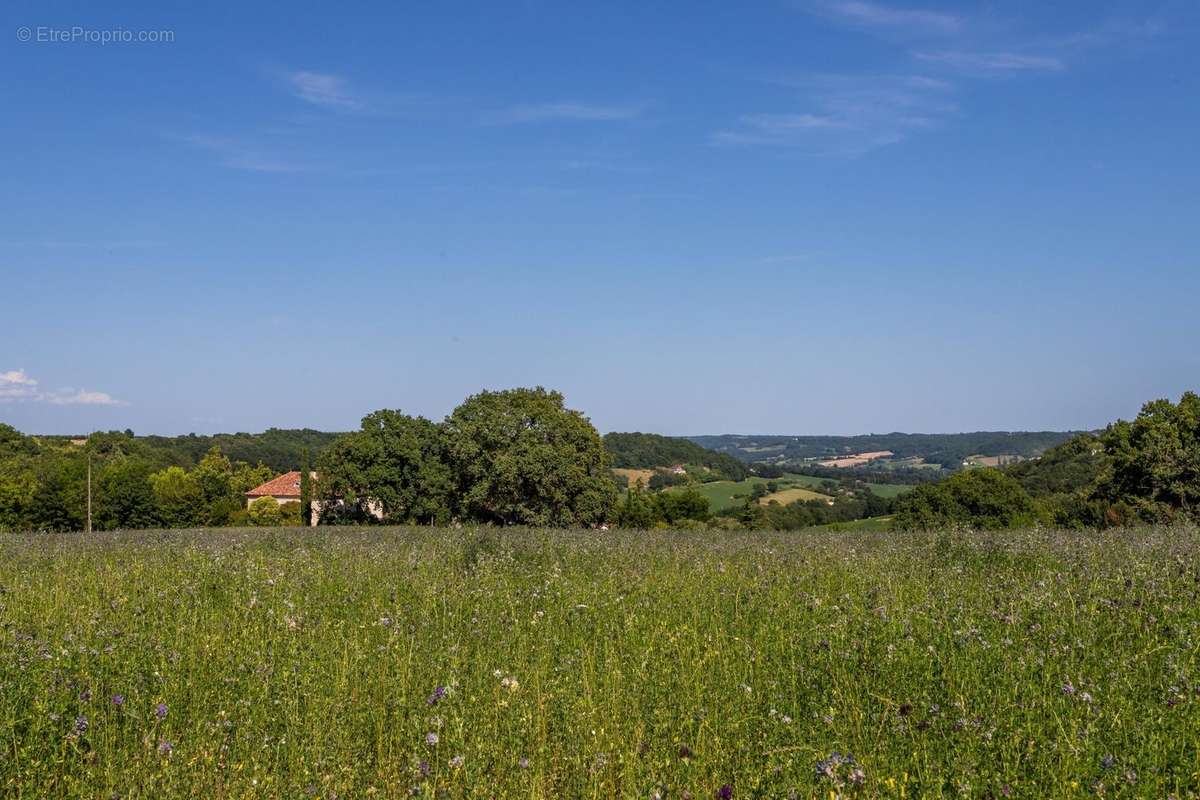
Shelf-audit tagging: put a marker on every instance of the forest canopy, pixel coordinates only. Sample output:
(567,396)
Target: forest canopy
(1144,471)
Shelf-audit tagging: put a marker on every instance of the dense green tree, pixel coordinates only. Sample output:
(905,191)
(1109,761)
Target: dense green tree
(106,445)
(661,479)
(18,481)
(59,502)
(123,496)
(178,498)
(680,505)
(223,485)
(265,512)
(980,498)
(1073,466)
(752,515)
(1154,461)
(637,509)
(395,464)
(214,477)
(289,514)
(245,477)
(13,443)
(306,492)
(521,457)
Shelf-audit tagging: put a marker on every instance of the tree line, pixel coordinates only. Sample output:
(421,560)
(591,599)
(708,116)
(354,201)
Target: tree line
(1143,471)
(516,457)
(44,485)
(281,449)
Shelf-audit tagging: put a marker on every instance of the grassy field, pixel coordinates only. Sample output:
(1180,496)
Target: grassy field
(889,489)
(881,489)
(356,663)
(720,494)
(728,494)
(793,495)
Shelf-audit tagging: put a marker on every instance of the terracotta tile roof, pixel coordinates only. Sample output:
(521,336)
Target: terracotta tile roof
(286,485)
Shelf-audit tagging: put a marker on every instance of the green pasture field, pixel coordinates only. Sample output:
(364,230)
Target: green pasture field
(889,489)
(721,494)
(871,524)
(881,489)
(485,663)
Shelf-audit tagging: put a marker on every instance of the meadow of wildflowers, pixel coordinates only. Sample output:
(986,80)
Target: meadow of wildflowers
(387,662)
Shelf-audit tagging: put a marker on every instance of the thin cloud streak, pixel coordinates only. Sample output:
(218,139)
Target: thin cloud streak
(235,155)
(850,115)
(564,111)
(991,61)
(320,89)
(916,21)
(856,114)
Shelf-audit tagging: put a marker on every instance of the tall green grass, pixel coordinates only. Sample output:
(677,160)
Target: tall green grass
(307,664)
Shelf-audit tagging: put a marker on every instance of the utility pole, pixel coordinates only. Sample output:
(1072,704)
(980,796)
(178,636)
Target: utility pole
(89,510)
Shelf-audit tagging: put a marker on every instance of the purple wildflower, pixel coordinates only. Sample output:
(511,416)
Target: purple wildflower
(457,762)
(831,769)
(725,792)
(523,763)
(424,768)
(165,748)
(161,711)
(431,738)
(81,725)
(437,695)
(118,699)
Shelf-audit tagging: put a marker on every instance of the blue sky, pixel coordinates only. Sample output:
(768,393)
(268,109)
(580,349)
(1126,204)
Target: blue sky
(835,216)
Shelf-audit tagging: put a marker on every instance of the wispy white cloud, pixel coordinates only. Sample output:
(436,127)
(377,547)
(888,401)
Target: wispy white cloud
(323,89)
(852,113)
(16,377)
(82,397)
(330,92)
(235,154)
(564,111)
(981,44)
(775,128)
(848,114)
(995,61)
(17,386)
(903,20)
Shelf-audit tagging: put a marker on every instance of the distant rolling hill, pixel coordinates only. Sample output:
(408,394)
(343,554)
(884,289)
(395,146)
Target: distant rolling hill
(640,451)
(948,450)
